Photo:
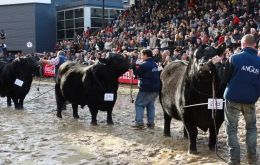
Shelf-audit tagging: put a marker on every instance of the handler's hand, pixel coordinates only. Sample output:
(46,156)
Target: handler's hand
(41,60)
(215,59)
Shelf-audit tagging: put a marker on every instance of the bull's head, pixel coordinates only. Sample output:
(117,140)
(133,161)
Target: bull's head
(117,63)
(201,64)
(29,65)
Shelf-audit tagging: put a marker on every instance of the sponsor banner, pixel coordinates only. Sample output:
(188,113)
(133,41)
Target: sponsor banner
(128,78)
(48,70)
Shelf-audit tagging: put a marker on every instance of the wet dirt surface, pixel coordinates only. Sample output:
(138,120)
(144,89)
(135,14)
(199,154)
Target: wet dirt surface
(36,136)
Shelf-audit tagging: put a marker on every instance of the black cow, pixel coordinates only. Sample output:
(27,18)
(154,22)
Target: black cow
(191,83)
(16,78)
(88,85)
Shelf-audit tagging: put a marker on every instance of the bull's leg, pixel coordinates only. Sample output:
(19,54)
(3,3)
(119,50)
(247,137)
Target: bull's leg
(16,105)
(167,124)
(60,100)
(212,138)
(94,113)
(192,134)
(9,101)
(20,102)
(185,133)
(213,135)
(75,111)
(109,117)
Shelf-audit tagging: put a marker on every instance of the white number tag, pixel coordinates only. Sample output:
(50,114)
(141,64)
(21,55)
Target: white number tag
(109,97)
(215,104)
(18,82)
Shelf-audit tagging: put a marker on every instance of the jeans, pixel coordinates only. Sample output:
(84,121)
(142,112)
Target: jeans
(232,111)
(145,100)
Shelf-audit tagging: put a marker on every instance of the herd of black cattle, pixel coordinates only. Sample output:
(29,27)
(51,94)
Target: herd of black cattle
(183,83)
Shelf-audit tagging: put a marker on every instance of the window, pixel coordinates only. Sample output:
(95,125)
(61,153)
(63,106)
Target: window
(97,22)
(79,31)
(60,15)
(69,14)
(60,25)
(61,34)
(79,22)
(79,13)
(69,33)
(69,24)
(114,13)
(97,12)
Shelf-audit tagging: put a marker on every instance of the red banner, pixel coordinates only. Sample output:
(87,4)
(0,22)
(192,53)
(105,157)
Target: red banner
(48,70)
(128,78)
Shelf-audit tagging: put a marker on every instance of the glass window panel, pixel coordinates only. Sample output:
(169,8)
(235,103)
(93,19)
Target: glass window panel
(79,13)
(69,14)
(61,34)
(79,31)
(70,33)
(60,15)
(79,22)
(106,13)
(97,12)
(69,24)
(97,22)
(114,13)
(60,25)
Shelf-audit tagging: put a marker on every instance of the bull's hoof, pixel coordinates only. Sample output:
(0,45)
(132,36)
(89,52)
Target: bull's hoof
(76,116)
(94,123)
(59,116)
(212,148)
(19,108)
(192,152)
(167,134)
(110,123)
(9,105)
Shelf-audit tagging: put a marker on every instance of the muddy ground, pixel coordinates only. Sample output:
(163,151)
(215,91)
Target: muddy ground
(36,136)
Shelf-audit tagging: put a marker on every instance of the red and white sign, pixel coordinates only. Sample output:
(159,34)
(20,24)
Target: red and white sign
(128,78)
(49,70)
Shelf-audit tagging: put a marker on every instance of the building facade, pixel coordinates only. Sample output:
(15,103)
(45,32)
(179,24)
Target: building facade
(75,16)
(29,25)
(36,25)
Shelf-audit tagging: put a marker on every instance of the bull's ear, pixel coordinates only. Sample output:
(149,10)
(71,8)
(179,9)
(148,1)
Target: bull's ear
(103,60)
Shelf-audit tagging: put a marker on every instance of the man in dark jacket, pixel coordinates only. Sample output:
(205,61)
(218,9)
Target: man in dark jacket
(149,86)
(241,94)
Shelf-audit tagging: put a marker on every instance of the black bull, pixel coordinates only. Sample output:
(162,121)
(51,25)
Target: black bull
(16,78)
(192,83)
(88,85)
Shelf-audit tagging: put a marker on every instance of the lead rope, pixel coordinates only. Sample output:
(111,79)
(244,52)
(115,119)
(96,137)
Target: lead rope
(214,118)
(131,81)
(39,80)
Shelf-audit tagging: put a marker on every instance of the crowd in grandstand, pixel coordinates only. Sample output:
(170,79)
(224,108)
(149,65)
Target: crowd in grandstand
(172,29)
